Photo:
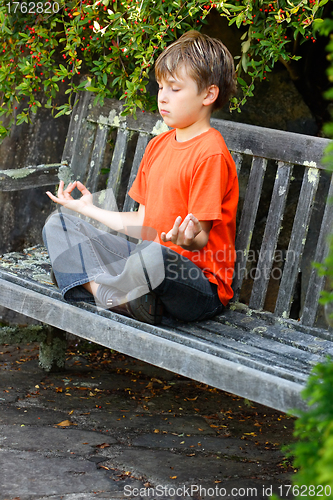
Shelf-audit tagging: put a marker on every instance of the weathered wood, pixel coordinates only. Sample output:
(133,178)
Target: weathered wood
(29,177)
(297,241)
(252,350)
(246,225)
(116,168)
(316,282)
(279,332)
(289,147)
(143,140)
(238,159)
(80,138)
(271,234)
(97,157)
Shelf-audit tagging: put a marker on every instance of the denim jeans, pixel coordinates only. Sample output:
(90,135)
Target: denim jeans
(80,253)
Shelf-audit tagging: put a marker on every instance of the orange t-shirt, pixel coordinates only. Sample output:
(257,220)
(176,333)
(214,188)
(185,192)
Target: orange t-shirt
(199,177)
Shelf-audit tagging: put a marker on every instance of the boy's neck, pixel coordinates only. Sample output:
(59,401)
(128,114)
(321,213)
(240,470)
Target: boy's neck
(198,128)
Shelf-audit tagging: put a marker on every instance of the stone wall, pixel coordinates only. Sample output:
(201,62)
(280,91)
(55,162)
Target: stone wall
(23,213)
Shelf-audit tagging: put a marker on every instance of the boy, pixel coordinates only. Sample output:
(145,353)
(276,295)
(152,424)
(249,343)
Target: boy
(187,190)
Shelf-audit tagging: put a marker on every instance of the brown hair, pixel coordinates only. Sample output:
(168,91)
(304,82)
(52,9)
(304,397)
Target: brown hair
(207,61)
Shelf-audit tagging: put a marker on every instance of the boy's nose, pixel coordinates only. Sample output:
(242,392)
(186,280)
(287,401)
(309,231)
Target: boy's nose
(162,96)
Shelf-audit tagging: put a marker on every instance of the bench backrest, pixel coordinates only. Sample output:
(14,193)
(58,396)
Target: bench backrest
(268,163)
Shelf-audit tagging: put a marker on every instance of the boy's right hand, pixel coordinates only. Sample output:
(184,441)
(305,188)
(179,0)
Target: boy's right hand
(65,198)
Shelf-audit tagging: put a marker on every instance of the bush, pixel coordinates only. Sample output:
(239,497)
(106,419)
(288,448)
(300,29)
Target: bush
(313,451)
(109,46)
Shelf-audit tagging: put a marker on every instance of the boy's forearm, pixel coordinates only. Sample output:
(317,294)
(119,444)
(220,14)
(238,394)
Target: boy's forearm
(123,222)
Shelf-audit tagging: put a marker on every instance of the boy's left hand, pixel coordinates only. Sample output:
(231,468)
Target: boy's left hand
(184,233)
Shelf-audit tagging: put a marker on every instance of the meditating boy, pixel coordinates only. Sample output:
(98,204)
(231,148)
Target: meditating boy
(187,190)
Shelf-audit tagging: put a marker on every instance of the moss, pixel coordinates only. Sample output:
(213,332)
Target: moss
(23,334)
(52,351)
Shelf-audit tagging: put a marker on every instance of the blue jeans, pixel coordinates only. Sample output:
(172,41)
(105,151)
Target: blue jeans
(80,253)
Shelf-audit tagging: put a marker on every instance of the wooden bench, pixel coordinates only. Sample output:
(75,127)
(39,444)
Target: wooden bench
(265,345)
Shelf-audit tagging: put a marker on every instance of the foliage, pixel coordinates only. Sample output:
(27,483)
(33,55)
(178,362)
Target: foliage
(109,46)
(313,450)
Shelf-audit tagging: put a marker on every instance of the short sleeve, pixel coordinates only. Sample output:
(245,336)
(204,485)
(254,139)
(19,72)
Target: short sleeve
(207,189)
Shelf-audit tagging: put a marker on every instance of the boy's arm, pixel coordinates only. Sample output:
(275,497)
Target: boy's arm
(124,222)
(191,234)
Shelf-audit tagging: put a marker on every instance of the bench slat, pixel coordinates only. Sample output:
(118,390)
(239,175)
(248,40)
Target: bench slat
(246,225)
(316,282)
(97,157)
(143,140)
(118,160)
(279,333)
(80,139)
(292,363)
(297,241)
(271,234)
(279,145)
(238,159)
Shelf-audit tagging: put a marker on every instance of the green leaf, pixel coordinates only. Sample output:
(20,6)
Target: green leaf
(241,82)
(92,89)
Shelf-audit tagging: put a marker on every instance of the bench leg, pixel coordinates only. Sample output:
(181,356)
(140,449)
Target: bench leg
(52,350)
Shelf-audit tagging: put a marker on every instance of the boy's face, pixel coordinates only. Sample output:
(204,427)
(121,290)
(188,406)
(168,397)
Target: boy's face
(179,102)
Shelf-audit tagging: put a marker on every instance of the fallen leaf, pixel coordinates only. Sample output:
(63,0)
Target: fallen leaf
(173,477)
(65,423)
(103,445)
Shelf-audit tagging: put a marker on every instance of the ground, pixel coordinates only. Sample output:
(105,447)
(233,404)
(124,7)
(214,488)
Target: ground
(113,427)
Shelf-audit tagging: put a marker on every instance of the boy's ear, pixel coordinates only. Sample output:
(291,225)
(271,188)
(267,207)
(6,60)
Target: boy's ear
(211,95)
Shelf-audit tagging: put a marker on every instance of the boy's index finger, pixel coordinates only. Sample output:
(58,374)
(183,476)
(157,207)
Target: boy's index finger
(61,187)
(176,225)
